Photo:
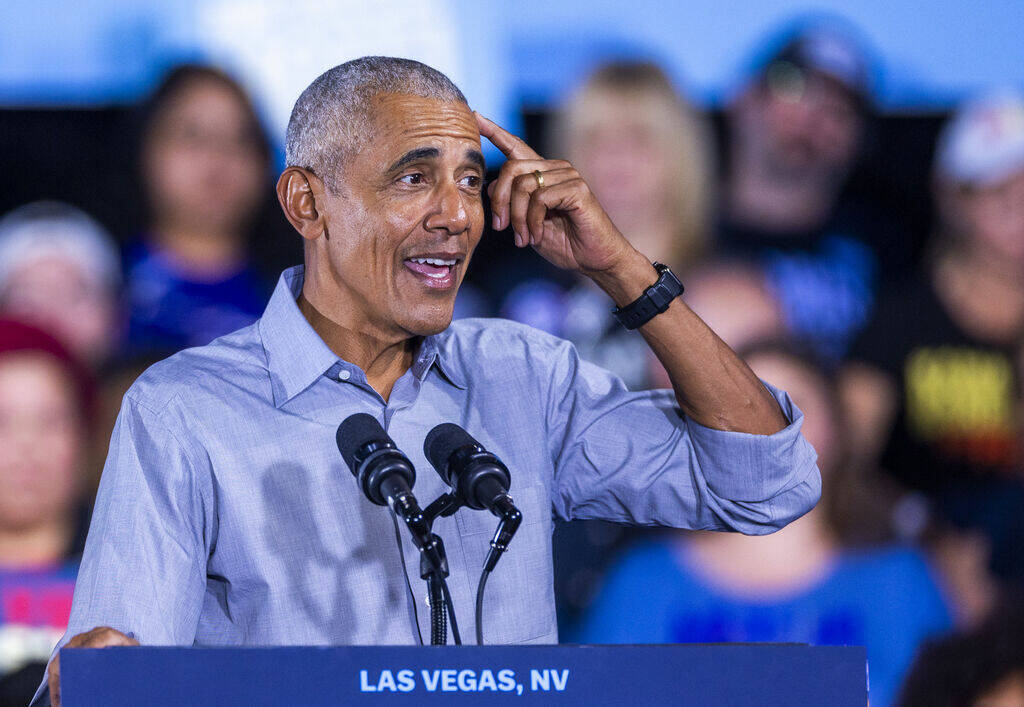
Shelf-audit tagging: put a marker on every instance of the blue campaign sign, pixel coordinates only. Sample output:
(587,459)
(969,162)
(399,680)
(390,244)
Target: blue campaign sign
(726,674)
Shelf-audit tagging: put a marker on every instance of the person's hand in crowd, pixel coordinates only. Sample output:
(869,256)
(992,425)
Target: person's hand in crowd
(99,637)
(549,206)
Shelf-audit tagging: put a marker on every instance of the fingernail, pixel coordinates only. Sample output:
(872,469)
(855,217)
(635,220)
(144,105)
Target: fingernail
(519,239)
(496,223)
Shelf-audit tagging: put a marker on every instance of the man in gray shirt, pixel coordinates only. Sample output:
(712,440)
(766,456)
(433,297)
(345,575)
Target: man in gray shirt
(226,516)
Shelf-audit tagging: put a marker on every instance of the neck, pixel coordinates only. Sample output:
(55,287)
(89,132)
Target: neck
(756,196)
(40,545)
(201,250)
(788,559)
(383,360)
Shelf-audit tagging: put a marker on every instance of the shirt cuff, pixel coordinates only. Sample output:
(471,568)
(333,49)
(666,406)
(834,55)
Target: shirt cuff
(753,468)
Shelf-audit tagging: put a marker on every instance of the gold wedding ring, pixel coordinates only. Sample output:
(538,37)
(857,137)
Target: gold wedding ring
(539,177)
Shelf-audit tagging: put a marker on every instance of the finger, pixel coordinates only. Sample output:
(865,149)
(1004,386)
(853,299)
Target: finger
(501,190)
(556,197)
(522,187)
(536,208)
(511,146)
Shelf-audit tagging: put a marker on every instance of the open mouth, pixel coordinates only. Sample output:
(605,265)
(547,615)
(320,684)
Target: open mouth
(434,272)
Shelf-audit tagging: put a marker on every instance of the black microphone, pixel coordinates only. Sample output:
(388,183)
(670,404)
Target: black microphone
(477,476)
(382,471)
(386,476)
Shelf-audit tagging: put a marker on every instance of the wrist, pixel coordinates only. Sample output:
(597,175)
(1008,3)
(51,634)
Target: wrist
(627,279)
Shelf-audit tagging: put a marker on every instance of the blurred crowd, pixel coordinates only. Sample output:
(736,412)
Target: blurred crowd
(907,361)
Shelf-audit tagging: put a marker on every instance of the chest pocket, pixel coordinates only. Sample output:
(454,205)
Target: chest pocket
(519,602)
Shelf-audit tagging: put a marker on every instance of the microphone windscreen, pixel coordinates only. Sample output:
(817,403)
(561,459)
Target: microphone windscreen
(354,432)
(441,442)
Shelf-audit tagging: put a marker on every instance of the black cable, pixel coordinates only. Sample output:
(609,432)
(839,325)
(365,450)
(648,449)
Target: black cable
(451,613)
(438,629)
(480,606)
(405,576)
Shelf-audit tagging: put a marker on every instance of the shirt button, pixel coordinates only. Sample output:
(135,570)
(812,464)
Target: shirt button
(344,375)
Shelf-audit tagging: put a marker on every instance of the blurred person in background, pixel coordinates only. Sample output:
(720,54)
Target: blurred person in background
(982,667)
(205,164)
(802,584)
(44,402)
(647,156)
(61,270)
(795,132)
(932,388)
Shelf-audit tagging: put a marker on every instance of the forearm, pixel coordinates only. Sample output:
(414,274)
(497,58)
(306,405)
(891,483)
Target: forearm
(712,384)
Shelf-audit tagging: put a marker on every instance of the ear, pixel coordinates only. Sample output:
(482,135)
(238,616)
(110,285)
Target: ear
(297,191)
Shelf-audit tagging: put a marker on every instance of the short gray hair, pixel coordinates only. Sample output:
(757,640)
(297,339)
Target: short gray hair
(332,114)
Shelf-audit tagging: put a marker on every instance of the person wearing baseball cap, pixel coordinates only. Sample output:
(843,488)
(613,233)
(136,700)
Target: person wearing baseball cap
(795,132)
(933,390)
(61,270)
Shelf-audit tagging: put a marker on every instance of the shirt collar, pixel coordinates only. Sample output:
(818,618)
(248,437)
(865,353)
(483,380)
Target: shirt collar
(297,356)
(433,353)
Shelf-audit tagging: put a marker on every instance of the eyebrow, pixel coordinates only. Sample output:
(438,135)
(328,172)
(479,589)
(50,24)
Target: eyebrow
(427,153)
(477,158)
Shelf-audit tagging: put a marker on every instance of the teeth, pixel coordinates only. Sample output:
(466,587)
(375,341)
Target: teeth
(434,261)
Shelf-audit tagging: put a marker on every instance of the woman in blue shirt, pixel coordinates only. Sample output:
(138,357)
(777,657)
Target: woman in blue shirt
(802,584)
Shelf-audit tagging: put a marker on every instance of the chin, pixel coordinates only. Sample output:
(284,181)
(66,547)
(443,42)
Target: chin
(425,321)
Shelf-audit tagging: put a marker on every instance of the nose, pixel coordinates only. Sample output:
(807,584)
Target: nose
(449,212)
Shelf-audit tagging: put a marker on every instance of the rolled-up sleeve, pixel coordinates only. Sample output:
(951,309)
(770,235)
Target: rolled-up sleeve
(633,457)
(144,567)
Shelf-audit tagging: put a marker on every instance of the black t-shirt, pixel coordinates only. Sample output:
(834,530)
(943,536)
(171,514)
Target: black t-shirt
(957,395)
(826,278)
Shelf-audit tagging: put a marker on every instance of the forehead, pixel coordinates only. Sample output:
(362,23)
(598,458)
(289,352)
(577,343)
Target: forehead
(400,121)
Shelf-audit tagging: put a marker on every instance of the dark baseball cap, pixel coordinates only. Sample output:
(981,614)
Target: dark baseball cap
(826,51)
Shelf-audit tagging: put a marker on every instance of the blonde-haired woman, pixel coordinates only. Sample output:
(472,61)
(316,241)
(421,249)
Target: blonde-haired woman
(647,155)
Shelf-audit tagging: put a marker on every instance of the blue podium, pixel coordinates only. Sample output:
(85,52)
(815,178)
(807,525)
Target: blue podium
(721,674)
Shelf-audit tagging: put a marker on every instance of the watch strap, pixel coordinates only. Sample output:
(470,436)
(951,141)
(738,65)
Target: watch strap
(655,300)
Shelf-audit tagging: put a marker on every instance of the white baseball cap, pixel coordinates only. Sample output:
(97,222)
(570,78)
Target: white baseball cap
(51,228)
(983,143)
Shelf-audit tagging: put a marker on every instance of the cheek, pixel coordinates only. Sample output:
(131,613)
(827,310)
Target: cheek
(243,174)
(171,175)
(42,473)
(836,138)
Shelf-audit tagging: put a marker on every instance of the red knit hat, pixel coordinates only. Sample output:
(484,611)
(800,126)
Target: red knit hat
(17,336)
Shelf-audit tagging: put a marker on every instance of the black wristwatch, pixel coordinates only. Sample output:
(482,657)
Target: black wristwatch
(652,302)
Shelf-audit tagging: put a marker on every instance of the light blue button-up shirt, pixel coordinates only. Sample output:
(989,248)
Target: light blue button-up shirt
(226,516)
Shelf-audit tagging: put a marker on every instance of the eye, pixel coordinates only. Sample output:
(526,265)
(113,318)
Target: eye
(413,179)
(472,181)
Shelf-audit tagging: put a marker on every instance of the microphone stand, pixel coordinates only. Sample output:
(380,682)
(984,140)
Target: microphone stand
(433,565)
(434,569)
(509,519)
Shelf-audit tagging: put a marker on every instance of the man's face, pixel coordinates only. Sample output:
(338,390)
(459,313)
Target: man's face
(804,124)
(406,215)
